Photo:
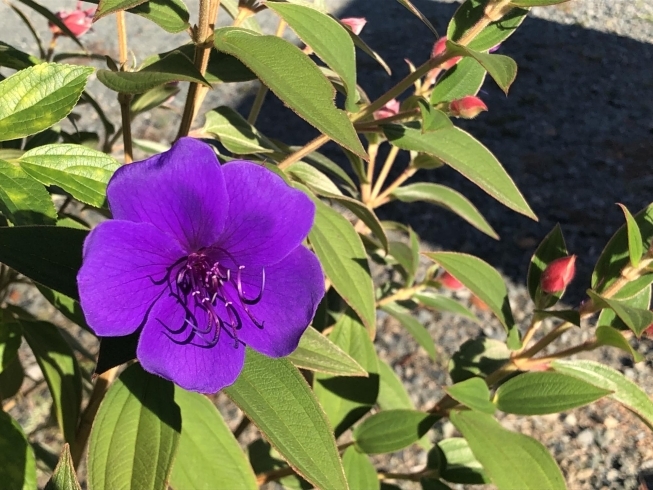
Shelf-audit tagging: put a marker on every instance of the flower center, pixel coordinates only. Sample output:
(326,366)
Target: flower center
(210,286)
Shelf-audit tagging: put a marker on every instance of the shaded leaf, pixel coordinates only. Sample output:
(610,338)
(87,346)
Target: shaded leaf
(472,393)
(415,328)
(359,470)
(478,357)
(18,468)
(460,465)
(637,319)
(235,133)
(606,335)
(501,68)
(635,247)
(64,477)
(466,78)
(23,200)
(392,430)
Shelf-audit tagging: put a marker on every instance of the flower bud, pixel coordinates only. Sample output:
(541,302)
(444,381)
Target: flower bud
(389,109)
(450,282)
(356,24)
(558,274)
(78,21)
(440,47)
(468,107)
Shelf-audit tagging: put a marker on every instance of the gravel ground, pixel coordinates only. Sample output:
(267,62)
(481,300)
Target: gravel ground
(575,133)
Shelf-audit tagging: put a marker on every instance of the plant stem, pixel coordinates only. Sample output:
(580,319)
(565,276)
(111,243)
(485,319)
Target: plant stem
(203,39)
(384,197)
(385,170)
(244,423)
(366,187)
(124,99)
(102,383)
(402,294)
(273,475)
(307,149)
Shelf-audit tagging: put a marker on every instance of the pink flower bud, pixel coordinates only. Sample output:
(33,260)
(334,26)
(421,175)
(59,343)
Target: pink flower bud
(450,282)
(389,109)
(440,47)
(558,274)
(468,107)
(356,24)
(78,21)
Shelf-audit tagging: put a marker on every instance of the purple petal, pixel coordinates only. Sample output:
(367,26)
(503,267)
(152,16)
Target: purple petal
(293,289)
(182,360)
(267,218)
(122,274)
(180,191)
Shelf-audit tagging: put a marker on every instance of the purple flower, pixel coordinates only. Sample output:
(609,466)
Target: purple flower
(202,260)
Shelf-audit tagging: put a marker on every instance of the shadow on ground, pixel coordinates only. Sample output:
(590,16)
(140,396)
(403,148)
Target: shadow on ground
(575,133)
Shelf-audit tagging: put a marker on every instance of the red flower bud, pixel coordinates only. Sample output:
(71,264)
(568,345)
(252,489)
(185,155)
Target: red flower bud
(450,282)
(389,109)
(440,47)
(356,24)
(558,274)
(78,21)
(468,107)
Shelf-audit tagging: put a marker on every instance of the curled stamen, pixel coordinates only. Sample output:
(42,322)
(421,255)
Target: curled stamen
(239,286)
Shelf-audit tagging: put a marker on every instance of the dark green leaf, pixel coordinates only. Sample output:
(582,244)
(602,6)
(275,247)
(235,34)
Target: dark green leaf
(60,370)
(206,440)
(408,4)
(23,200)
(347,399)
(64,477)
(637,319)
(275,396)
(11,335)
(482,280)
(540,393)
(279,65)
(174,67)
(641,300)
(511,460)
(35,98)
(50,255)
(472,393)
(478,357)
(48,14)
(235,133)
(552,247)
(571,316)
(107,7)
(316,352)
(502,69)
(152,98)
(15,59)
(415,328)
(460,465)
(392,430)
(18,468)
(135,434)
(635,247)
(439,302)
(606,335)
(467,156)
(449,199)
(466,78)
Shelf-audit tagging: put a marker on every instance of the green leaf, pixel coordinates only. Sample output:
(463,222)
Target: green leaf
(466,78)
(616,254)
(11,378)
(501,68)
(552,247)
(16,59)
(432,119)
(472,393)
(61,372)
(362,45)
(347,399)
(635,247)
(24,201)
(571,316)
(235,133)
(10,338)
(478,357)
(317,353)
(511,460)
(637,319)
(50,255)
(107,7)
(439,302)
(392,430)
(468,15)
(344,260)
(64,477)
(81,171)
(359,470)
(175,67)
(419,15)
(415,328)
(403,254)
(205,441)
(52,18)
(275,396)
(135,434)
(392,393)
(466,155)
(279,64)
(482,280)
(314,179)
(327,166)
(171,15)
(460,465)
(641,300)
(606,335)
(328,39)
(449,199)
(540,393)
(18,468)
(623,390)
(35,98)
(154,97)
(69,307)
